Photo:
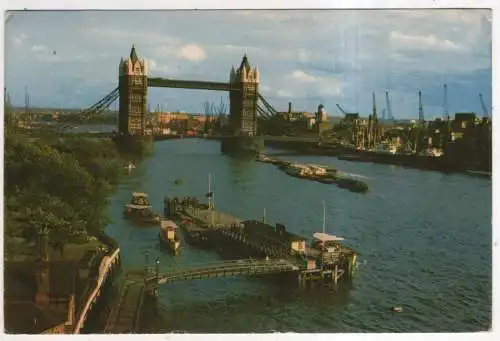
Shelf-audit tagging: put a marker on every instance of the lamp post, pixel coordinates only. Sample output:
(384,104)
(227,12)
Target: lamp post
(157,262)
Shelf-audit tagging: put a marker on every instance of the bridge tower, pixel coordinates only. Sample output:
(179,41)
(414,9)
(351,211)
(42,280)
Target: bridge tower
(243,99)
(133,89)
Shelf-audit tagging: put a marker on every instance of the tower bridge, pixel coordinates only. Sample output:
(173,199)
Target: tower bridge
(249,110)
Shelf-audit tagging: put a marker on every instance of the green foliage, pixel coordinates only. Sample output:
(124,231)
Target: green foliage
(60,184)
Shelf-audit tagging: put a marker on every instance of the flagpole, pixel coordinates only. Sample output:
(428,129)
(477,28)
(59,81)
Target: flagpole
(209,191)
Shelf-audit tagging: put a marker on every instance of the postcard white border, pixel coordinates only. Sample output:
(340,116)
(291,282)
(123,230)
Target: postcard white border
(281,4)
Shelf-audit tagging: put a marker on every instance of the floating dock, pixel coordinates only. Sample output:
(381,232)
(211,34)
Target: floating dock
(232,236)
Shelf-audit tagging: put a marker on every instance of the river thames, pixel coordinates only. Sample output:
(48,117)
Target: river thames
(424,240)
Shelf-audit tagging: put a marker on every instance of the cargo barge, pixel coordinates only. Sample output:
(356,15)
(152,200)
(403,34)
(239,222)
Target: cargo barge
(325,175)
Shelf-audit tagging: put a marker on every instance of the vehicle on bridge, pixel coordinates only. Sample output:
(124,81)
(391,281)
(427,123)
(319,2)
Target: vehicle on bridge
(139,210)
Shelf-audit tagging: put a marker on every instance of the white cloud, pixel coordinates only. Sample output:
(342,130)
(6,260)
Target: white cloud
(421,42)
(39,48)
(19,39)
(301,76)
(193,52)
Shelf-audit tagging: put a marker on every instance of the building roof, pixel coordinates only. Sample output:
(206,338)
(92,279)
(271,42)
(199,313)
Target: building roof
(20,279)
(245,64)
(324,237)
(29,318)
(139,195)
(133,54)
(168,223)
(22,314)
(269,230)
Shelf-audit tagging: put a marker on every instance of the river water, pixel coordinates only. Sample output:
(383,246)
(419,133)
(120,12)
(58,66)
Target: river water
(424,240)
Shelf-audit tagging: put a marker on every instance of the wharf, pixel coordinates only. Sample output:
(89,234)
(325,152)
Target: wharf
(125,315)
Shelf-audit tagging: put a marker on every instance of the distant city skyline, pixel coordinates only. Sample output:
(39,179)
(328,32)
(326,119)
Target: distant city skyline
(70,59)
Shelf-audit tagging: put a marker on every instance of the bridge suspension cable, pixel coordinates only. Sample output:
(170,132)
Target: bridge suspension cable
(96,109)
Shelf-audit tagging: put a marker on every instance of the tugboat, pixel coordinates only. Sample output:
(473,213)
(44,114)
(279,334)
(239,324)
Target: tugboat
(169,236)
(139,210)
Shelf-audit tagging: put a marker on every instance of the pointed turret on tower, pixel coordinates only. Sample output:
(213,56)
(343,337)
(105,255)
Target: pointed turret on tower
(133,83)
(243,100)
(133,54)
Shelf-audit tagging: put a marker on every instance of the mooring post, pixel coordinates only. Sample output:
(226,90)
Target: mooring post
(335,275)
(157,279)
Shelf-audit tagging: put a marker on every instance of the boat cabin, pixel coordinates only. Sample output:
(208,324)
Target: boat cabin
(168,227)
(326,242)
(317,170)
(140,199)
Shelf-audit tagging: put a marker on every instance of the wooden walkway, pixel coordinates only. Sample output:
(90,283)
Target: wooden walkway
(126,313)
(245,267)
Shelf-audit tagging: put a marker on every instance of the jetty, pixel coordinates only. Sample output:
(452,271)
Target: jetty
(325,260)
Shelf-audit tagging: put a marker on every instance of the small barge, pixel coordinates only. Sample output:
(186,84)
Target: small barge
(324,175)
(139,210)
(169,237)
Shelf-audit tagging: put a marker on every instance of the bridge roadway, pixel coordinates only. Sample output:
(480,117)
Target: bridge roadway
(244,267)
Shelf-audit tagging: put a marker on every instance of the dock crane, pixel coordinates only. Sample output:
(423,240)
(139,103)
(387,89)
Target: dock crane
(485,111)
(421,119)
(446,114)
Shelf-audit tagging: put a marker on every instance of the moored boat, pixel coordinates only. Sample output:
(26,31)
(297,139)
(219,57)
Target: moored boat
(139,210)
(169,235)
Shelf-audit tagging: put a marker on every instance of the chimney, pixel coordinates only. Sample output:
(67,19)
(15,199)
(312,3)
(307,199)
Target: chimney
(289,107)
(42,268)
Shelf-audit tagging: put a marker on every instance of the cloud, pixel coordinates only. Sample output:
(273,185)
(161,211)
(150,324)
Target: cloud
(39,48)
(193,52)
(427,42)
(301,76)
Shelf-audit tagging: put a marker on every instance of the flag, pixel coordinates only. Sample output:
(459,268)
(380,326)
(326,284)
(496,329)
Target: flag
(210,194)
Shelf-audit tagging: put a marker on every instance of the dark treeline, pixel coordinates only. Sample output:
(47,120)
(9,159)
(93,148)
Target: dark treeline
(60,184)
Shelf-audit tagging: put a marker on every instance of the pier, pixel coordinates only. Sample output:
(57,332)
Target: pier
(327,260)
(125,315)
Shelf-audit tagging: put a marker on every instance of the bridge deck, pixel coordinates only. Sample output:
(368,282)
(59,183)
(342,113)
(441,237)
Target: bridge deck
(126,313)
(229,269)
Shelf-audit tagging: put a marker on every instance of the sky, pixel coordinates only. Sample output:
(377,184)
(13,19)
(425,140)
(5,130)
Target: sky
(308,57)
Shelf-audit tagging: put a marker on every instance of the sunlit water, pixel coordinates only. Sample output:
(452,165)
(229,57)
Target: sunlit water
(424,240)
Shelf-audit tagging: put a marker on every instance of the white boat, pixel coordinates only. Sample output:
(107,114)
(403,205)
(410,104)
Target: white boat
(130,166)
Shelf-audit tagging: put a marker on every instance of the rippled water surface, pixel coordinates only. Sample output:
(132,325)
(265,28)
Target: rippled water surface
(424,240)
